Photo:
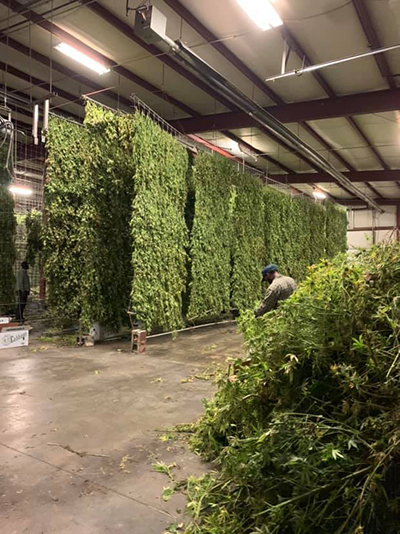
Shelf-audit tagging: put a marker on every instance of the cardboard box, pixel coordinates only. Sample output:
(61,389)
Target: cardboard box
(14,338)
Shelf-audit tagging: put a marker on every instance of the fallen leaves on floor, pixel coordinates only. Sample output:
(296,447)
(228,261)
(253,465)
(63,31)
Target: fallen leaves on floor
(210,348)
(167,493)
(174,528)
(157,380)
(124,461)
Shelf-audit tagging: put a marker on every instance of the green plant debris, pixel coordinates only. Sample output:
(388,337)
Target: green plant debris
(305,435)
(165,469)
(174,528)
(167,493)
(213,373)
(158,380)
(164,438)
(61,341)
(210,348)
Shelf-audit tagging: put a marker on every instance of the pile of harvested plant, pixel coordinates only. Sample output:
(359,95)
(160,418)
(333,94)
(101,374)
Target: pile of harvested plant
(305,434)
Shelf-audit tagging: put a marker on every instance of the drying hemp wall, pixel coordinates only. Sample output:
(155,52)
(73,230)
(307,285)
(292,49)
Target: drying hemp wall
(248,240)
(132,223)
(109,163)
(210,247)
(158,227)
(7,237)
(65,192)
(239,226)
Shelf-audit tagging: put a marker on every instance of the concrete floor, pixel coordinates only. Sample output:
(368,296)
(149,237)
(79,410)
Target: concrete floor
(103,401)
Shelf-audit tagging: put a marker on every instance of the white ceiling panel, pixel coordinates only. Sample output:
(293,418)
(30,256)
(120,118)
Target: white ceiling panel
(329,29)
(343,137)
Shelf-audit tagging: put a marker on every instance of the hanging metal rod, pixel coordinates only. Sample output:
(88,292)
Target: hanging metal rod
(311,68)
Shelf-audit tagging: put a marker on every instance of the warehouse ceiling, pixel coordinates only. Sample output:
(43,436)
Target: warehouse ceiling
(349,112)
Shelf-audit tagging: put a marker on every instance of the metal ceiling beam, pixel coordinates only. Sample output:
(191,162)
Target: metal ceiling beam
(65,71)
(353,176)
(379,201)
(128,32)
(212,39)
(73,41)
(373,41)
(296,47)
(62,34)
(39,83)
(311,110)
(21,106)
(258,152)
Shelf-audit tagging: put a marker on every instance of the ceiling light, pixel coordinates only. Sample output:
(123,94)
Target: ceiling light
(20,190)
(320,195)
(82,58)
(262,12)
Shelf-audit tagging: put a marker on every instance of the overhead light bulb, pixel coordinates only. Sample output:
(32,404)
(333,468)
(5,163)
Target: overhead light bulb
(262,12)
(320,195)
(82,58)
(20,190)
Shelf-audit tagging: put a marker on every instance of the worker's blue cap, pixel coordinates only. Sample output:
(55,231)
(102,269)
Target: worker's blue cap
(271,268)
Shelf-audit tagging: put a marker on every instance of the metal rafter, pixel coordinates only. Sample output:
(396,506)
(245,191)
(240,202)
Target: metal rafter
(67,37)
(65,71)
(62,34)
(311,110)
(128,32)
(353,176)
(296,47)
(373,41)
(186,15)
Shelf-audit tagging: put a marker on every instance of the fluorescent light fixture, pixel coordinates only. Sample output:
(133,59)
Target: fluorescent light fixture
(262,12)
(82,58)
(320,195)
(20,190)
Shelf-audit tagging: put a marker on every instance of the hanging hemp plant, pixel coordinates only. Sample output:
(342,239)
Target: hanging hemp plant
(106,279)
(299,232)
(65,214)
(281,231)
(317,220)
(34,237)
(7,237)
(336,230)
(211,239)
(248,247)
(158,226)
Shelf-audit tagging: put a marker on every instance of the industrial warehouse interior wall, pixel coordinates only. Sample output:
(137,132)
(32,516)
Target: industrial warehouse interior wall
(127,226)
(7,238)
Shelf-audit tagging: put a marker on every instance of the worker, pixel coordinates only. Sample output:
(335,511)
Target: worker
(280,288)
(23,290)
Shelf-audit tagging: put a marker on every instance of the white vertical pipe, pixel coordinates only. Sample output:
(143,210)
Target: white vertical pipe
(35,123)
(46,109)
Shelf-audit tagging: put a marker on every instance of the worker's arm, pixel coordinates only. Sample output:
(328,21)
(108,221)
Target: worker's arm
(269,302)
